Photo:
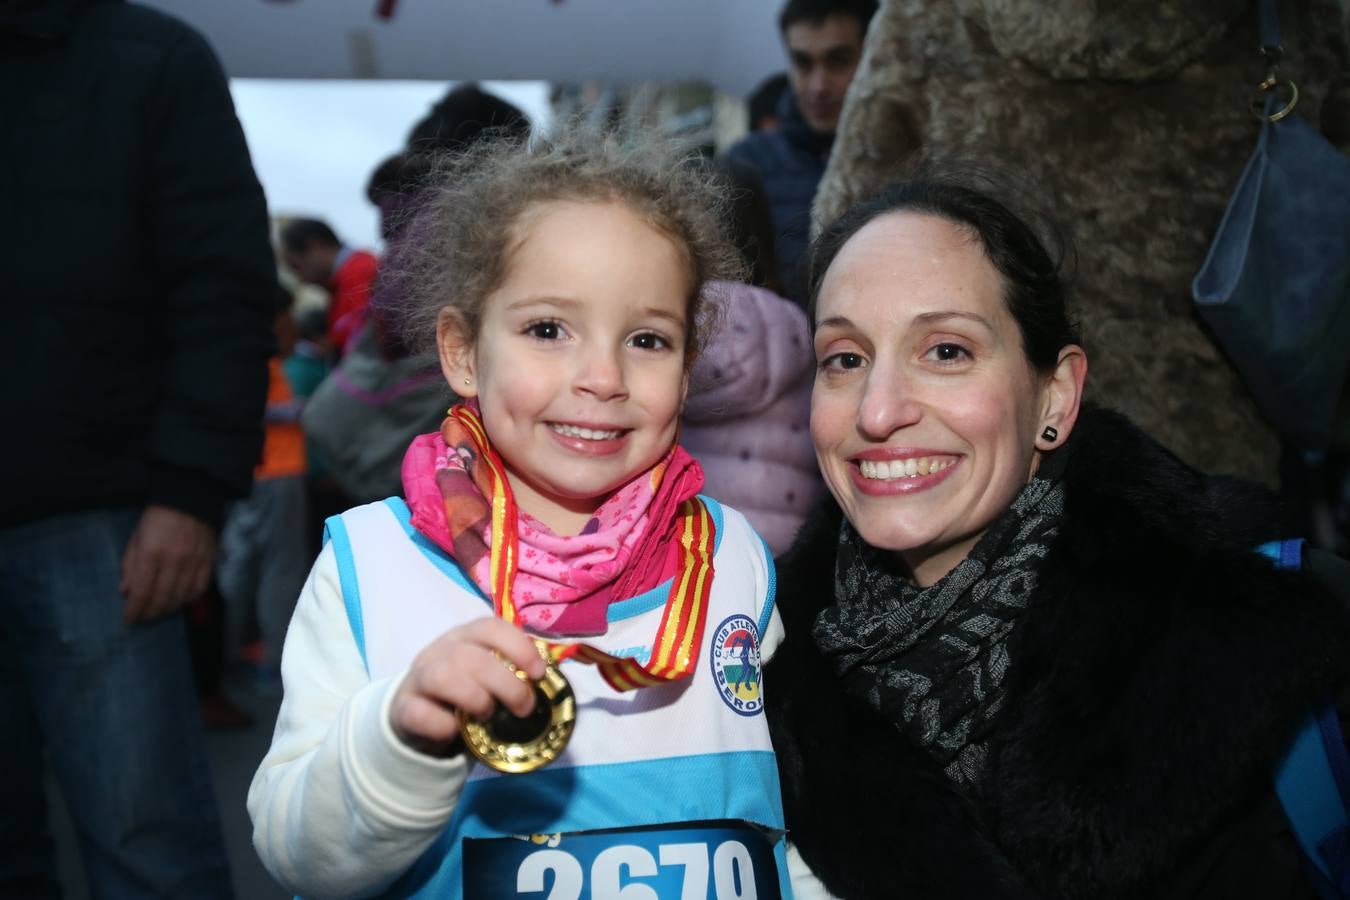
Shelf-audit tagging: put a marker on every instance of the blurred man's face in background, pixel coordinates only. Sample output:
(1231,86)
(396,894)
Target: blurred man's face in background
(822,58)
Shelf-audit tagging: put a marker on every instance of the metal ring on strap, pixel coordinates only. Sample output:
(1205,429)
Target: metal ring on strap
(1273,85)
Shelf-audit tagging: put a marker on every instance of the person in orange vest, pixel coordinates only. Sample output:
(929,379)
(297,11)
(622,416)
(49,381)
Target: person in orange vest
(264,551)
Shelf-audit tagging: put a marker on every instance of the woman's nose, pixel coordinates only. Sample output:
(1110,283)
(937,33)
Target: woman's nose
(601,375)
(888,404)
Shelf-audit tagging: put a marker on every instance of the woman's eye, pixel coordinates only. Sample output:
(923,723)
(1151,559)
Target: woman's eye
(840,361)
(648,340)
(544,331)
(947,352)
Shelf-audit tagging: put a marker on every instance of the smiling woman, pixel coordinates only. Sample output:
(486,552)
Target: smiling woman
(1041,647)
(940,362)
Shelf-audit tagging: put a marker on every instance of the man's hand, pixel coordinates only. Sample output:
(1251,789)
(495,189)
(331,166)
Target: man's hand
(167,563)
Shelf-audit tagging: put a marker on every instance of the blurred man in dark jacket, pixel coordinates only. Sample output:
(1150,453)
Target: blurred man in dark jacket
(824,41)
(138,283)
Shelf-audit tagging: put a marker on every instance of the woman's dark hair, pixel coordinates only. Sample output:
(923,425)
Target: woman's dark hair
(1033,287)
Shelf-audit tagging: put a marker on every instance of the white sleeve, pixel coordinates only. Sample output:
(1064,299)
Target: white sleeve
(340,806)
(805,884)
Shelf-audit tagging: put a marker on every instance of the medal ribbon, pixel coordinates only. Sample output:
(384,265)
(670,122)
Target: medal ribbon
(680,634)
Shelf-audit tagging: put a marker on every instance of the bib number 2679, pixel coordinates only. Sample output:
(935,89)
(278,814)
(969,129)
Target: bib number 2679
(718,861)
(616,870)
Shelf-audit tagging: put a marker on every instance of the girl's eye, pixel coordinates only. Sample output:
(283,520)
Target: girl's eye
(841,361)
(544,331)
(947,352)
(648,340)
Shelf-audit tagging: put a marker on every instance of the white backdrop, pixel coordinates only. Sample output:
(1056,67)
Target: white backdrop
(315,143)
(730,43)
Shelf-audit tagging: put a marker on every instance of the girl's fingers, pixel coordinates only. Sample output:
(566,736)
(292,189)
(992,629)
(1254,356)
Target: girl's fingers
(514,645)
(423,724)
(461,684)
(508,688)
(473,678)
(472,669)
(477,679)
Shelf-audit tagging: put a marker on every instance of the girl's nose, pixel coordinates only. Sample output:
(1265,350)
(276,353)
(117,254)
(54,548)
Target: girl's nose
(888,404)
(601,375)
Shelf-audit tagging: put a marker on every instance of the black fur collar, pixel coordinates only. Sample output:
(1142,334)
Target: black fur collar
(1158,674)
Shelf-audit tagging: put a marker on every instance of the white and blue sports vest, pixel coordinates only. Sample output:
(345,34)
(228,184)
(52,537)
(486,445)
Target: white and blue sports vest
(663,792)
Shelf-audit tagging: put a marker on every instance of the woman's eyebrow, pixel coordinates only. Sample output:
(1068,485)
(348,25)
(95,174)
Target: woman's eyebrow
(927,318)
(930,318)
(834,322)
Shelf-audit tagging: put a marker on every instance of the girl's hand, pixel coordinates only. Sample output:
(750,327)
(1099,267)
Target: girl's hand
(464,669)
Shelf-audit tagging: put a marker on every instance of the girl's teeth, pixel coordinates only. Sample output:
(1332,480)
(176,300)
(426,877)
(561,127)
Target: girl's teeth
(888,470)
(586,434)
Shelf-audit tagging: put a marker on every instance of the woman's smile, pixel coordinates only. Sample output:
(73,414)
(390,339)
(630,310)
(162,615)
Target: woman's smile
(883,472)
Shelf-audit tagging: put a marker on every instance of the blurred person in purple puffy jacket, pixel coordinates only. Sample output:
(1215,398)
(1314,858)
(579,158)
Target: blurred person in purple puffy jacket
(747,415)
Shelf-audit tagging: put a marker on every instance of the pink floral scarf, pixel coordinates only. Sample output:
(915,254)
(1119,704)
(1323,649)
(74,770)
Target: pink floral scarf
(563,584)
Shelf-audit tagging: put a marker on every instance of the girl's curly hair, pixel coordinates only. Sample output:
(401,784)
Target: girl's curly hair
(457,249)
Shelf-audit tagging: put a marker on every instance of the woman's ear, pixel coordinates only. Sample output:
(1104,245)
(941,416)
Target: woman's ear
(455,347)
(1062,396)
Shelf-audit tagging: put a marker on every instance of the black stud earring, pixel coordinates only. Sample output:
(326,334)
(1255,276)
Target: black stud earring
(1050,433)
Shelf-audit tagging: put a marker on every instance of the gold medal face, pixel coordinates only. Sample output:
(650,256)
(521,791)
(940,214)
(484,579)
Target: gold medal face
(513,744)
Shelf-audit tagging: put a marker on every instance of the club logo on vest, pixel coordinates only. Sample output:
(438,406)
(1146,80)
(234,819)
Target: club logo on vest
(735,664)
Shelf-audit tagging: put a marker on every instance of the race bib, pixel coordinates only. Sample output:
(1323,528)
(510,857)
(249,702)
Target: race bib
(708,861)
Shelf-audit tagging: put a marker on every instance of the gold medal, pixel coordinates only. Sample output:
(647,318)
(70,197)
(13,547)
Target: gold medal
(514,744)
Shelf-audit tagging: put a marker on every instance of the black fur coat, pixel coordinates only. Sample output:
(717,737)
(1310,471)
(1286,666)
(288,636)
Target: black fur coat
(1156,678)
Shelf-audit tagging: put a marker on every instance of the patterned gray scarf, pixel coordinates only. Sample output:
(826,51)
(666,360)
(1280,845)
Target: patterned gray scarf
(933,660)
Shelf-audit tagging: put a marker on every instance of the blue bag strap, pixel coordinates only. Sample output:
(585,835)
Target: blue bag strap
(1313,780)
(1270,25)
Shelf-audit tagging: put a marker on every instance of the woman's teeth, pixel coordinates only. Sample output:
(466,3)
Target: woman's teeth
(586,434)
(888,470)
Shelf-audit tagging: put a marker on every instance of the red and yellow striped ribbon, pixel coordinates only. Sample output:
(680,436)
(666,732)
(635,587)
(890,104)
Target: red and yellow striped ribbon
(680,634)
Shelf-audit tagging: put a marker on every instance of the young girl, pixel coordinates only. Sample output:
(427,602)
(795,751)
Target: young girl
(562,285)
